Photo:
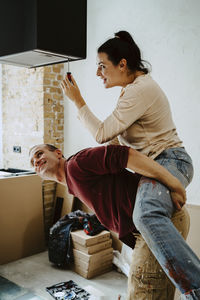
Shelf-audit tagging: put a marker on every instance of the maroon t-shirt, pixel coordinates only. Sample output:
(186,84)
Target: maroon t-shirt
(97,176)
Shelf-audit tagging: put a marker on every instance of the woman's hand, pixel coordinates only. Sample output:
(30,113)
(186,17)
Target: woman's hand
(71,90)
(178,195)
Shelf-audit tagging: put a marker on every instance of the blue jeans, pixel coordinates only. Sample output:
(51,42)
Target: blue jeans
(152,213)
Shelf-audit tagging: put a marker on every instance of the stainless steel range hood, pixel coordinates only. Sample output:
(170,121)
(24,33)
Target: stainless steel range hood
(35,58)
(36,33)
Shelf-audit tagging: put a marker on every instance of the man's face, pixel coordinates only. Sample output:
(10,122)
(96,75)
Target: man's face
(44,161)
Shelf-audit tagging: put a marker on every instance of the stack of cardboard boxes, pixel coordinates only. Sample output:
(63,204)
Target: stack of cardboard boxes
(93,255)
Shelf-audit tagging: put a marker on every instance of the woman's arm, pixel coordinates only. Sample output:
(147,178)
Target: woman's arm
(129,108)
(146,166)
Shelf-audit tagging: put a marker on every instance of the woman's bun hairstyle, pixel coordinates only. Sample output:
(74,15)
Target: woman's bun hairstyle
(124,36)
(124,46)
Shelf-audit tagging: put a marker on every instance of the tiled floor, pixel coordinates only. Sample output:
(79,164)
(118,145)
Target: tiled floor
(29,277)
(11,291)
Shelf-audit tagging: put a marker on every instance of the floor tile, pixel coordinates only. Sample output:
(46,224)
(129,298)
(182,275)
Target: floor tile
(11,291)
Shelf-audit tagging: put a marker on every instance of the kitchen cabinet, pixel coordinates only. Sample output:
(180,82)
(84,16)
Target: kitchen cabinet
(21,217)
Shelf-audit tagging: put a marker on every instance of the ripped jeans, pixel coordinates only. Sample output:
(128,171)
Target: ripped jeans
(152,217)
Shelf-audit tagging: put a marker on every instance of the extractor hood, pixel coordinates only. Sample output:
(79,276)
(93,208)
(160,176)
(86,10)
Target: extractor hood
(35,33)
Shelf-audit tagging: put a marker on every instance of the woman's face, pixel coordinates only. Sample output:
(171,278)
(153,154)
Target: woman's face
(111,74)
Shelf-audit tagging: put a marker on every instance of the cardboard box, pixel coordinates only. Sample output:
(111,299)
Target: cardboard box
(80,237)
(86,266)
(91,265)
(21,217)
(93,255)
(93,258)
(92,273)
(94,248)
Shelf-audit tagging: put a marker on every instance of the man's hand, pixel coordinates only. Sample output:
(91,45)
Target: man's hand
(178,195)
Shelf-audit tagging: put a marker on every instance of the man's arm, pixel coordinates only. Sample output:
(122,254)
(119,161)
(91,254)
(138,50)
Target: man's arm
(146,166)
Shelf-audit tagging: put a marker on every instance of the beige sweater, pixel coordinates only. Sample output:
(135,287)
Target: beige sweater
(142,119)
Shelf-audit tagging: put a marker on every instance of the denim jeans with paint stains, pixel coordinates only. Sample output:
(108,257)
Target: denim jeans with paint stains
(152,217)
(147,280)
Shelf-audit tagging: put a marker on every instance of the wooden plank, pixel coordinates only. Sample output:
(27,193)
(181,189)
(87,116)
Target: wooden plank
(68,202)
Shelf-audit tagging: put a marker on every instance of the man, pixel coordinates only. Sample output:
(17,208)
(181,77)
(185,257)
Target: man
(99,178)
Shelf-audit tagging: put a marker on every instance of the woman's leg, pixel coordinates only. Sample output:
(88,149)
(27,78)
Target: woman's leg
(152,217)
(147,280)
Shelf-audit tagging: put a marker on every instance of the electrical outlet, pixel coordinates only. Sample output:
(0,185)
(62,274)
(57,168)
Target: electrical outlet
(17,149)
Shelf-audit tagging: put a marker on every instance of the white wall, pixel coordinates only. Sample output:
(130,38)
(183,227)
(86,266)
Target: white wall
(168,33)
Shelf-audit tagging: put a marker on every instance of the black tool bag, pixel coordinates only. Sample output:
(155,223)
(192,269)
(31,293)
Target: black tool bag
(60,243)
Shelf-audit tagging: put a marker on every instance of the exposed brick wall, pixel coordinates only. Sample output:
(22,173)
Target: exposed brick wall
(32,113)
(53,129)
(53,106)
(49,190)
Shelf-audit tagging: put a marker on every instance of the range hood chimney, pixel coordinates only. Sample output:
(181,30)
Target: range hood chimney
(35,33)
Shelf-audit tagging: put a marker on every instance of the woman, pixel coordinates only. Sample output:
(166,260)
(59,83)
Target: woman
(142,119)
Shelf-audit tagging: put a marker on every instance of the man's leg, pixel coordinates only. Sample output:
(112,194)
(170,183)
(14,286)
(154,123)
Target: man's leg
(147,280)
(152,217)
